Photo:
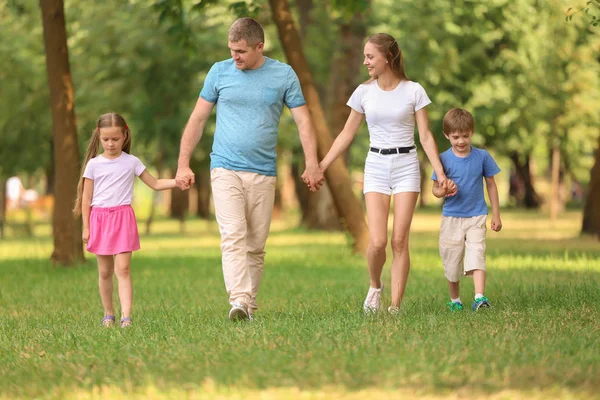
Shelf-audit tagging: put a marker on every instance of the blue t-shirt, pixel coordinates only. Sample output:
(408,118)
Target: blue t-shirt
(468,174)
(249,106)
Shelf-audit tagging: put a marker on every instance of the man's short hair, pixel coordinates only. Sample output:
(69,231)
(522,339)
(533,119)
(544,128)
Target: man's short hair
(458,120)
(247,29)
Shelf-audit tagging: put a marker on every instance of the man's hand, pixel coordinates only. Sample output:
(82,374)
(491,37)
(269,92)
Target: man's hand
(184,178)
(313,177)
(496,224)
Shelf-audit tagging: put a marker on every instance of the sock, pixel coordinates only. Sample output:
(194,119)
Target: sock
(478,296)
(456,300)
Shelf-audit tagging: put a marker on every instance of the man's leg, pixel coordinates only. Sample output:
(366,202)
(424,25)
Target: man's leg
(260,196)
(229,200)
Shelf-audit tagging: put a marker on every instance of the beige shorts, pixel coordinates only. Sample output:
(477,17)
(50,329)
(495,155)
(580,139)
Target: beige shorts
(462,245)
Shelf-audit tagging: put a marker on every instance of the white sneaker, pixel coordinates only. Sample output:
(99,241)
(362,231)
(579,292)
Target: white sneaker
(372,303)
(238,312)
(393,310)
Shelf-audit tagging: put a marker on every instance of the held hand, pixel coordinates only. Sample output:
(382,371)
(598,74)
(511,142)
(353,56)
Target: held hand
(313,177)
(184,178)
(85,235)
(496,224)
(451,188)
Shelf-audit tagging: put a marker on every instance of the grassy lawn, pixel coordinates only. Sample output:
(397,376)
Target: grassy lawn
(541,339)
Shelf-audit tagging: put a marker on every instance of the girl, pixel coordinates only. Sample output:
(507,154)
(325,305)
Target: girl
(391,104)
(104,197)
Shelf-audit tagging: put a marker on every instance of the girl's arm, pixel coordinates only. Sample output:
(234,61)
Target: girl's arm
(428,143)
(157,184)
(86,206)
(343,140)
(492,189)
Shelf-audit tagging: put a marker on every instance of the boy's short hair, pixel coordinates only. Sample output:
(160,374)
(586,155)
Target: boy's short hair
(458,120)
(247,29)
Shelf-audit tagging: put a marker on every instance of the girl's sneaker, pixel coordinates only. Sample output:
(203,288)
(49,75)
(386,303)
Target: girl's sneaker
(393,310)
(454,307)
(481,302)
(108,321)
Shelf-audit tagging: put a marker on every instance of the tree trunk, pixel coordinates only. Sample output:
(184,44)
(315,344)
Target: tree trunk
(591,211)
(180,201)
(555,186)
(338,178)
(304,7)
(68,246)
(523,169)
(204,192)
(50,171)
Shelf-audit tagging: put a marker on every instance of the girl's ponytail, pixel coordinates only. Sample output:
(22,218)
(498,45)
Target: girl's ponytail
(92,151)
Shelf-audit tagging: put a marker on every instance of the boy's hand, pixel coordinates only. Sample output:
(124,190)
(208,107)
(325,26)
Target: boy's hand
(450,187)
(496,224)
(85,235)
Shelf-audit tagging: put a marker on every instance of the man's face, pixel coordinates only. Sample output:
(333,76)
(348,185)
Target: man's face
(245,56)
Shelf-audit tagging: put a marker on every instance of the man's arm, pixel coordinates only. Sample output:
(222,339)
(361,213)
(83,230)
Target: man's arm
(190,138)
(313,175)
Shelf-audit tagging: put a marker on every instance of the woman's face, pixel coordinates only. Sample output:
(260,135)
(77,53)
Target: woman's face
(374,60)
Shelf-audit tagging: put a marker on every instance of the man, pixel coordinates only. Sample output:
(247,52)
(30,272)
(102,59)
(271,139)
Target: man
(250,91)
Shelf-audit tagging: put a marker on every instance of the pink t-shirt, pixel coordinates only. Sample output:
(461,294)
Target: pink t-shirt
(113,179)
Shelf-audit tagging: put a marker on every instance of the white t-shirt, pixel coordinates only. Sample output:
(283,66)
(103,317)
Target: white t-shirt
(390,114)
(113,179)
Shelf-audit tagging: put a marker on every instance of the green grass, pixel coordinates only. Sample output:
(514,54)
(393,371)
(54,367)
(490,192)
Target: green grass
(541,338)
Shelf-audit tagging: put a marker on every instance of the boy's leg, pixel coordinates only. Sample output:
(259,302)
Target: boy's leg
(123,272)
(260,197)
(479,281)
(229,200)
(105,282)
(475,263)
(452,252)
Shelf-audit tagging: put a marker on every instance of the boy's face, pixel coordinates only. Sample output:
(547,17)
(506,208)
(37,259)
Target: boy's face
(461,142)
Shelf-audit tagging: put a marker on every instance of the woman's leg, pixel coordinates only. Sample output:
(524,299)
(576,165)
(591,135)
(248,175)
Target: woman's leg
(105,282)
(378,210)
(122,270)
(404,208)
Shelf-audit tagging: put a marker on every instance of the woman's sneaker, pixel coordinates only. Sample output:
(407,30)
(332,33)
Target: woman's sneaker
(372,303)
(481,302)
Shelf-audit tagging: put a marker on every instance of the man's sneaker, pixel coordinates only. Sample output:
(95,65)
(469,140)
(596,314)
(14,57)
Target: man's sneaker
(481,302)
(238,312)
(454,307)
(372,303)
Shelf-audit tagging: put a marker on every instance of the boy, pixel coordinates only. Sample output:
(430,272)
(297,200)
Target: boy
(462,232)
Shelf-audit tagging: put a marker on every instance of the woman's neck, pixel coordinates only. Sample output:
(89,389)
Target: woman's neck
(387,80)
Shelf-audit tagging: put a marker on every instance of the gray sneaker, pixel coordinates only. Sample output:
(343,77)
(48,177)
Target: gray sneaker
(238,312)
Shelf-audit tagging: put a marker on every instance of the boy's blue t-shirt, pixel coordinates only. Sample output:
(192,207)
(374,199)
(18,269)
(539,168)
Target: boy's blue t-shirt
(467,173)
(249,106)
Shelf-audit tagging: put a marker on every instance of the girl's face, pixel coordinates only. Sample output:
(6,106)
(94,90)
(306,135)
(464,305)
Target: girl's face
(112,139)
(374,60)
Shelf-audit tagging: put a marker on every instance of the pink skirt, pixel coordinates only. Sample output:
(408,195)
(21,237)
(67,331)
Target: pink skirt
(113,230)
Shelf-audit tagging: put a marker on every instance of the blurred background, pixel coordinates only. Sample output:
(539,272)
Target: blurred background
(528,70)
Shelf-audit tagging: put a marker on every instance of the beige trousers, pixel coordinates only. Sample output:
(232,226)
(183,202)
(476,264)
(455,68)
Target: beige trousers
(243,207)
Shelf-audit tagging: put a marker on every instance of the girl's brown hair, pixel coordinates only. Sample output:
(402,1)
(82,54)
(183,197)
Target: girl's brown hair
(388,46)
(108,120)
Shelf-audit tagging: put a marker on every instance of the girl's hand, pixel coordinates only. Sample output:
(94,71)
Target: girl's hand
(85,235)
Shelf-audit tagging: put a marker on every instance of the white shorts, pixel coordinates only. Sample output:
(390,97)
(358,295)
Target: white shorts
(392,173)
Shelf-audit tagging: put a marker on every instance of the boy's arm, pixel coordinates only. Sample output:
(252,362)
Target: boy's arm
(493,195)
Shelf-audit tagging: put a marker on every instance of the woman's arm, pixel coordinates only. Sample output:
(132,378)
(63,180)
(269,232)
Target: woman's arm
(428,143)
(343,140)
(157,184)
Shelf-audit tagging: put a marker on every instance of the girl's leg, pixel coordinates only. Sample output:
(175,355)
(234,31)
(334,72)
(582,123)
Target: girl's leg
(122,262)
(404,208)
(105,282)
(378,210)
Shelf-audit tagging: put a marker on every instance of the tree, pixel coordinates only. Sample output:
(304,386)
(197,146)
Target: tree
(68,245)
(338,178)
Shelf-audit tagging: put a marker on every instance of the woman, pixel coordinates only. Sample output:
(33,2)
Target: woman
(391,104)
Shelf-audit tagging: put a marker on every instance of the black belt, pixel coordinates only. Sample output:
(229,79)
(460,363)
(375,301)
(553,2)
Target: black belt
(396,150)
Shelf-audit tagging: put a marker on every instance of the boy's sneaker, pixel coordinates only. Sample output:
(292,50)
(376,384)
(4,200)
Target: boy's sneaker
(238,312)
(454,307)
(372,303)
(481,302)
